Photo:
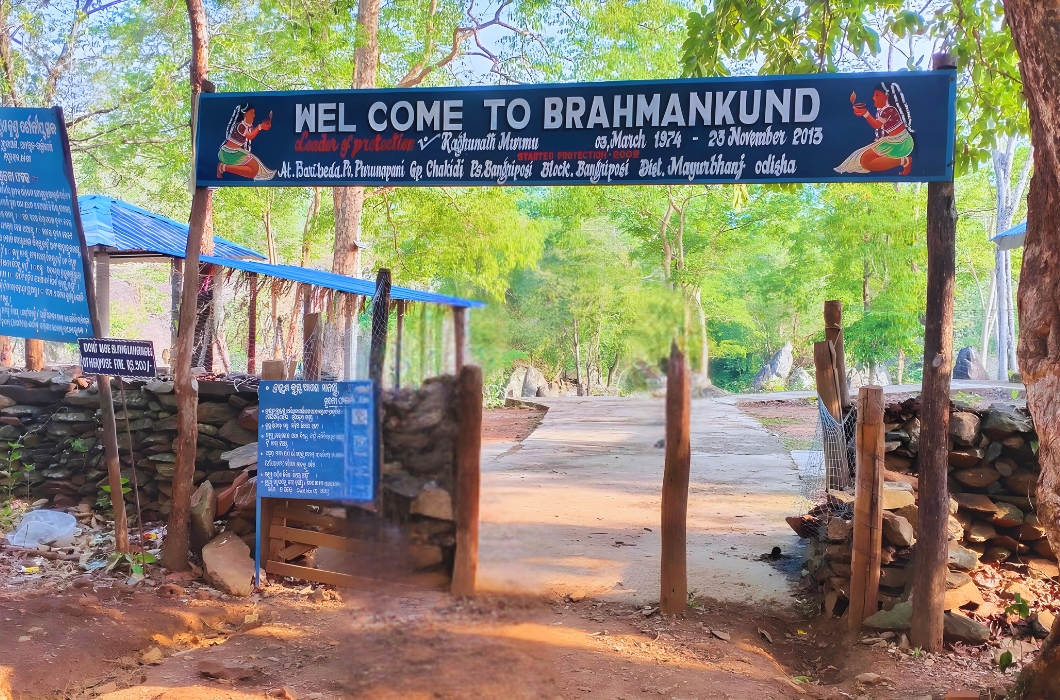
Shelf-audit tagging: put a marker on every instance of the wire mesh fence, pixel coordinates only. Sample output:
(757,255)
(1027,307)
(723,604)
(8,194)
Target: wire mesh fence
(830,467)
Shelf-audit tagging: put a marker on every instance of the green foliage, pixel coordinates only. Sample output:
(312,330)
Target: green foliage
(779,36)
(1004,661)
(1018,607)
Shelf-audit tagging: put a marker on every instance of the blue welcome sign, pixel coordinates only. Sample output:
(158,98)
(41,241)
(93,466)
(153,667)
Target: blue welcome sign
(42,247)
(863,127)
(317,440)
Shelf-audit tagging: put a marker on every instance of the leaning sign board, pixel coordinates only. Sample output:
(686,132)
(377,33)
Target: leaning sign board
(765,129)
(43,261)
(117,357)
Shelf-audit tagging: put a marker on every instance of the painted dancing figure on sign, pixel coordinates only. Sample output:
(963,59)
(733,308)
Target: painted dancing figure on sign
(893,146)
(235,156)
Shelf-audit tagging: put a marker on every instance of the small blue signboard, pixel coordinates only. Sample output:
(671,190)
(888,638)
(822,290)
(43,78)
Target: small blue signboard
(316,440)
(827,127)
(42,250)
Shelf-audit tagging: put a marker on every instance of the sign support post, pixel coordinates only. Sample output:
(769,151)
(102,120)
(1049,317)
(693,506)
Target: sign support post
(929,579)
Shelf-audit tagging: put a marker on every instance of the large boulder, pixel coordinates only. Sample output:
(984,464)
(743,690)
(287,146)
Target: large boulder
(776,370)
(527,382)
(969,365)
(229,565)
(801,380)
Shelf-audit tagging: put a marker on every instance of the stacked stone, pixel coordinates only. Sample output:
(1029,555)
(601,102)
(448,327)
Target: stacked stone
(419,467)
(52,422)
(993,475)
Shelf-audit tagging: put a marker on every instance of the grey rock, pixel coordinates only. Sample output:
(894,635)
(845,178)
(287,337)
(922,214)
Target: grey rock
(526,382)
(9,432)
(969,365)
(964,427)
(958,628)
(1002,420)
(433,503)
(900,617)
(85,397)
(237,434)
(203,511)
(801,380)
(213,413)
(159,387)
(31,396)
(241,456)
(777,369)
(962,558)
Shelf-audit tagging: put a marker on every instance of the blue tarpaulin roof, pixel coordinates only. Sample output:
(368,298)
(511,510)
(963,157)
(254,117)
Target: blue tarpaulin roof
(1013,238)
(129,229)
(341,283)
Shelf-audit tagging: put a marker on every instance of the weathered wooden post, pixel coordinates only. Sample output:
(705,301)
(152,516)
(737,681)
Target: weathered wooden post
(466,497)
(827,379)
(868,507)
(252,324)
(459,335)
(673,596)
(399,334)
(929,579)
(833,333)
(34,354)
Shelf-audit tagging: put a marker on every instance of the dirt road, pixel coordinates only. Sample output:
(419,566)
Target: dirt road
(575,507)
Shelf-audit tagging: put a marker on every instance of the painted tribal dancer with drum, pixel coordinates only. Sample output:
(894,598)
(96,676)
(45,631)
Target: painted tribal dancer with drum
(893,146)
(235,156)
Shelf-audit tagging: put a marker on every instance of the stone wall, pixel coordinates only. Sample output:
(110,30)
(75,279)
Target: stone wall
(53,421)
(993,475)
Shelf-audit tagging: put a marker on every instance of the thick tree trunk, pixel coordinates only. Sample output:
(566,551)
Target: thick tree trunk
(1035,26)
(175,546)
(349,201)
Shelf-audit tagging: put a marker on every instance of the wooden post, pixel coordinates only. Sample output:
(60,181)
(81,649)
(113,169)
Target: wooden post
(176,275)
(833,333)
(468,451)
(460,336)
(103,292)
(252,324)
(673,596)
(380,321)
(110,455)
(7,357)
(827,379)
(34,354)
(400,331)
(929,579)
(868,508)
(312,345)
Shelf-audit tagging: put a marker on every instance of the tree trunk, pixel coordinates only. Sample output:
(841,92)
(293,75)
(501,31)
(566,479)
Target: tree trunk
(577,359)
(349,201)
(988,321)
(1003,300)
(1035,25)
(1011,320)
(176,544)
(929,579)
(7,356)
(34,354)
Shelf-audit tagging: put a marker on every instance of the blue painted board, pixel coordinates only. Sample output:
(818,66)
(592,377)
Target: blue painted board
(317,440)
(827,127)
(42,251)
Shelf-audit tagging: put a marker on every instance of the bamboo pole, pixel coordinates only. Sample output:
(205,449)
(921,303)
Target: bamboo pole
(673,597)
(868,508)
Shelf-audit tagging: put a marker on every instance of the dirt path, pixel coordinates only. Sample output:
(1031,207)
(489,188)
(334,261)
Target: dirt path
(575,507)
